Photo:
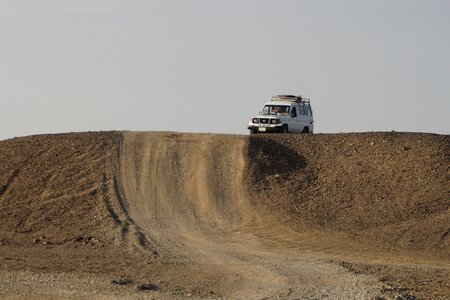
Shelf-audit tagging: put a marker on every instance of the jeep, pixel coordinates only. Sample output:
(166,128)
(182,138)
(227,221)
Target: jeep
(284,113)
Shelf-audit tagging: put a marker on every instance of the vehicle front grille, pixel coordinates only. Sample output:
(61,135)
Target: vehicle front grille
(264,121)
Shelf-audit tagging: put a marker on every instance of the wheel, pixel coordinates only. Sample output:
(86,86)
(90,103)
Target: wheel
(253,131)
(305,129)
(284,129)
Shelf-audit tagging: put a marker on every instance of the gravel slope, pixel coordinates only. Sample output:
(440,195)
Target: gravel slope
(194,215)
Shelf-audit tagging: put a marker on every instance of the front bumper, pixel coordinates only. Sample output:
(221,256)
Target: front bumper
(266,128)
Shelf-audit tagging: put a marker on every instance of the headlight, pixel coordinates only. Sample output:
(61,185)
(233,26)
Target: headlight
(255,120)
(275,121)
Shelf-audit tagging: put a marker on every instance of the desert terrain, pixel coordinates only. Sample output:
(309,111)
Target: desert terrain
(165,215)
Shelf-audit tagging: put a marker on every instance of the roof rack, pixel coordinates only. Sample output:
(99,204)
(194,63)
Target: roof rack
(292,98)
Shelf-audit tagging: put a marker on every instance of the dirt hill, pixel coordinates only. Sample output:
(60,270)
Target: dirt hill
(387,190)
(167,215)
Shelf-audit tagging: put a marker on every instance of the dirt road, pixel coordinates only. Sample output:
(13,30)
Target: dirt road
(202,215)
(169,215)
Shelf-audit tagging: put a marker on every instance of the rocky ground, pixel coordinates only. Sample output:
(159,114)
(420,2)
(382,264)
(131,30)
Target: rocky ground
(167,215)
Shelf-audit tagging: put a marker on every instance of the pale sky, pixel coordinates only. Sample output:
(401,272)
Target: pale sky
(208,66)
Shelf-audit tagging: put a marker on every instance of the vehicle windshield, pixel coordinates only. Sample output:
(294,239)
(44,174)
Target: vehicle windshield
(276,110)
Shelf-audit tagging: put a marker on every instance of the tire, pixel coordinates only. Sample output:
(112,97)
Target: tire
(253,131)
(284,129)
(305,129)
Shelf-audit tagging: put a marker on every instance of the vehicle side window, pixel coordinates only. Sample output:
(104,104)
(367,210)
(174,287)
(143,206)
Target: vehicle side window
(308,110)
(294,112)
(302,110)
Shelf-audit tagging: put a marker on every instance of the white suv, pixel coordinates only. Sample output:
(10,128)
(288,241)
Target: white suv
(284,113)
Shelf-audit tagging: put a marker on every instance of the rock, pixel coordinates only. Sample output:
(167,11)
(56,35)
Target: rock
(124,281)
(78,239)
(147,287)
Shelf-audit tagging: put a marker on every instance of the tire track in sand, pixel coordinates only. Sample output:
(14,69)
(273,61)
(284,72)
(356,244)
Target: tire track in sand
(186,193)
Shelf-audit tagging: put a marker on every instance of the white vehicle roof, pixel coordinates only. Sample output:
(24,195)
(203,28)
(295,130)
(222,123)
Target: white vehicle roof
(287,103)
